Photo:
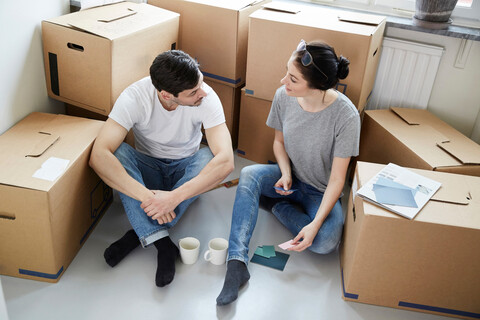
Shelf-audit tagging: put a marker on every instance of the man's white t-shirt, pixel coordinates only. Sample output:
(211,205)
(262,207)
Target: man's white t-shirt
(160,133)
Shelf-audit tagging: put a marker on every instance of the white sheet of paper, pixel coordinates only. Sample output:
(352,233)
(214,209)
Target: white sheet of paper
(51,169)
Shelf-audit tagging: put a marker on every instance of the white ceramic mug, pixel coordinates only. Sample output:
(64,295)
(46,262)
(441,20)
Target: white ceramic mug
(189,249)
(217,251)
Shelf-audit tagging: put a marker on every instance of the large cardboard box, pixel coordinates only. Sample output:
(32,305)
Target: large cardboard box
(72,110)
(230,98)
(216,34)
(44,223)
(255,138)
(91,56)
(429,264)
(274,35)
(416,138)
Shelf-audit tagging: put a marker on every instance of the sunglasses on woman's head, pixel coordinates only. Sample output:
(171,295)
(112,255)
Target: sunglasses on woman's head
(306,57)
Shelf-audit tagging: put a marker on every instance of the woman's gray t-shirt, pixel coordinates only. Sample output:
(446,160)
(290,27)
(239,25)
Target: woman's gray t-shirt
(313,139)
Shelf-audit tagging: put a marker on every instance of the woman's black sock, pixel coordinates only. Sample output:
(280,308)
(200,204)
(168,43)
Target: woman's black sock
(237,275)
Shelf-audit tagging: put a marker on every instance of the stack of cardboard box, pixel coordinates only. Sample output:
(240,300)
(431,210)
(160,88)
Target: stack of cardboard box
(51,198)
(428,264)
(215,33)
(274,33)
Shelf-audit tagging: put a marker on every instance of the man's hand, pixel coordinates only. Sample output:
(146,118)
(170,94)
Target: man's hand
(160,206)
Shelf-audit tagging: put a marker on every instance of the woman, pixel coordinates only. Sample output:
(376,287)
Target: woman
(317,130)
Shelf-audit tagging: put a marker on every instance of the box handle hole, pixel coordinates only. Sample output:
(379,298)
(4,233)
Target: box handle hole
(74,46)
(375,52)
(7,216)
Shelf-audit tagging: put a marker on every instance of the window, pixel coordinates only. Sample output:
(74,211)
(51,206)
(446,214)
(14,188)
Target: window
(465,9)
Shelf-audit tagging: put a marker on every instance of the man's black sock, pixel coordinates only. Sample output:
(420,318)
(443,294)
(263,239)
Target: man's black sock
(167,254)
(121,248)
(237,275)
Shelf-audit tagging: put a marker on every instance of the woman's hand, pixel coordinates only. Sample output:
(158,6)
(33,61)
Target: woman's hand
(285,182)
(308,234)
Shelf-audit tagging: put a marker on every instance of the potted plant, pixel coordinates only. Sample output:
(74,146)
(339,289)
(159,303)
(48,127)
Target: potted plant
(434,13)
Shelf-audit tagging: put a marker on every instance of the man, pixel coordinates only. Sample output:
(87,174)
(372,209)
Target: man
(167,171)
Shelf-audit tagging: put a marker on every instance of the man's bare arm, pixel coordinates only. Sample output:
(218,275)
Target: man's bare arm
(109,168)
(213,173)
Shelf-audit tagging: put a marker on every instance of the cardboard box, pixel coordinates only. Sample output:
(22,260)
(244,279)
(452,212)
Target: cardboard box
(84,113)
(255,138)
(416,138)
(429,264)
(216,34)
(230,98)
(43,224)
(274,35)
(91,56)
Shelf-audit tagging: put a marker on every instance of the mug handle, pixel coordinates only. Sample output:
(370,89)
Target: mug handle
(207,255)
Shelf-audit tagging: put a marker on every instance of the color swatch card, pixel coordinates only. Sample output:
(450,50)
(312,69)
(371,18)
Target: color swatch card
(265,251)
(286,245)
(276,262)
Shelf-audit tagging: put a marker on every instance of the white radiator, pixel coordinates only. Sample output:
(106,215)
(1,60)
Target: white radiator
(405,75)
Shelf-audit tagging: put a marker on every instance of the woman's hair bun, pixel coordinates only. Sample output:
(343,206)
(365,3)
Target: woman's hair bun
(342,69)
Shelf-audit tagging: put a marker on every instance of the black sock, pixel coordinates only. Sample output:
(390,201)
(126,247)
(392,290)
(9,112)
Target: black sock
(167,254)
(121,248)
(237,275)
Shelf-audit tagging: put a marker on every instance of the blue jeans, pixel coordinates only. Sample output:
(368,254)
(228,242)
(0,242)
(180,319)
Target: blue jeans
(294,211)
(157,174)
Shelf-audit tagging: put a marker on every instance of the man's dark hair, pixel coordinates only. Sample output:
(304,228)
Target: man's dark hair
(174,71)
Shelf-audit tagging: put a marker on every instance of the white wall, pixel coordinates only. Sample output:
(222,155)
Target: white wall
(476,130)
(3,307)
(455,96)
(22,82)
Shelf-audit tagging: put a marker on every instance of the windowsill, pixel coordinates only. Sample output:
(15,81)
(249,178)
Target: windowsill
(455,31)
(452,31)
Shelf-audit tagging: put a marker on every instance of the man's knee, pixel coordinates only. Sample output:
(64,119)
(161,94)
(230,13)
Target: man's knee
(123,152)
(203,156)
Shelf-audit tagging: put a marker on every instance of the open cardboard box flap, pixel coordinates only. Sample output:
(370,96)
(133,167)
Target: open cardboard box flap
(410,116)
(424,132)
(112,21)
(468,152)
(282,7)
(46,141)
(452,192)
(346,16)
(361,18)
(230,5)
(35,139)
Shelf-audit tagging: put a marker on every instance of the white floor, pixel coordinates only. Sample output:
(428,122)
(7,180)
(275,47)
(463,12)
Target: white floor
(308,288)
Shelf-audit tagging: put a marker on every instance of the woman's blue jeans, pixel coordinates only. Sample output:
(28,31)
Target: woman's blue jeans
(294,211)
(157,174)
